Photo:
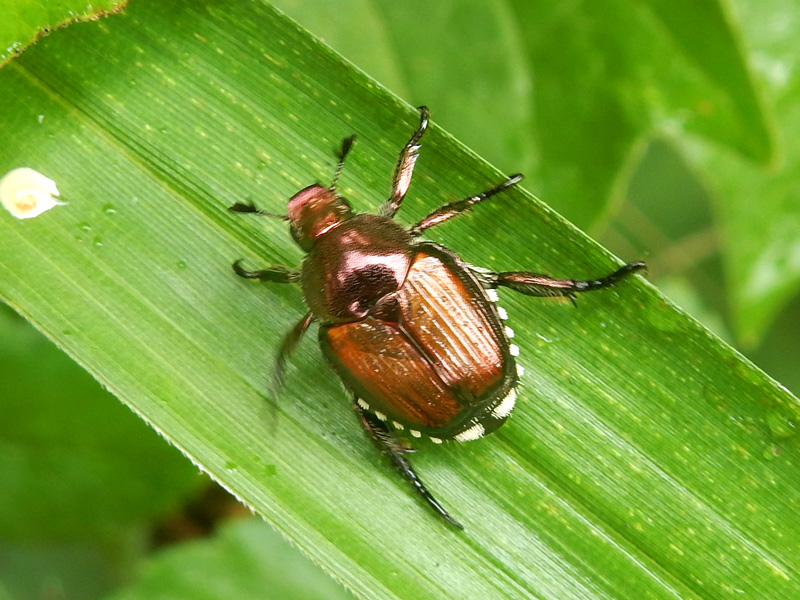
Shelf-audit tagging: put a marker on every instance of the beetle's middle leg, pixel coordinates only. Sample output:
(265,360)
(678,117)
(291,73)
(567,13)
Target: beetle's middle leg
(459,207)
(288,345)
(390,445)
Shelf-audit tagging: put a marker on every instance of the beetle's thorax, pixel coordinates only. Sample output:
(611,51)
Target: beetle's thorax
(352,266)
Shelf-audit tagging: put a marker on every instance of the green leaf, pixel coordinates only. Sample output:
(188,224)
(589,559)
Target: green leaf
(61,482)
(645,459)
(25,21)
(758,207)
(563,91)
(66,570)
(80,473)
(246,559)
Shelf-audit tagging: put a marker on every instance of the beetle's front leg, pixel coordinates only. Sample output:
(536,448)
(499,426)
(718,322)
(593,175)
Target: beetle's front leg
(535,284)
(390,445)
(405,168)
(276,274)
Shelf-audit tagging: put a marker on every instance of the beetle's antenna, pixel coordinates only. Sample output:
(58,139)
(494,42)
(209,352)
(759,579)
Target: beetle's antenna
(241,207)
(347,144)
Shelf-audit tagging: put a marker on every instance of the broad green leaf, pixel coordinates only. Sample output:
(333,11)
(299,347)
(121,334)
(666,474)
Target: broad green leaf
(244,560)
(22,22)
(646,458)
(683,294)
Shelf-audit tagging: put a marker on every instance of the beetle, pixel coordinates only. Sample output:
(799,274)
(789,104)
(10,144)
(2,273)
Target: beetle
(411,329)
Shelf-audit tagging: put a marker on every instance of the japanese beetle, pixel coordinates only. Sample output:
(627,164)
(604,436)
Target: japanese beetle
(411,329)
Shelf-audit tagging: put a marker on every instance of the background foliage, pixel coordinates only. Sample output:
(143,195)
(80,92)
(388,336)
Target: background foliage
(664,132)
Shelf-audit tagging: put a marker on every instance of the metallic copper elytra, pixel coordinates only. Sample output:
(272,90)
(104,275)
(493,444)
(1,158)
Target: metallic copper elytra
(459,336)
(378,361)
(440,355)
(412,331)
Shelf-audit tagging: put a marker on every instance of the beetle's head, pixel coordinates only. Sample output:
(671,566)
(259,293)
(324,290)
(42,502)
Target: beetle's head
(314,211)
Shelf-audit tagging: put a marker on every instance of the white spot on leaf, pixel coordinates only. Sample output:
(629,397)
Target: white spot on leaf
(26,193)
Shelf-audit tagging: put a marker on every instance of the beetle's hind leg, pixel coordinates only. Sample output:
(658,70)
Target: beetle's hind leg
(390,445)
(404,169)
(535,284)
